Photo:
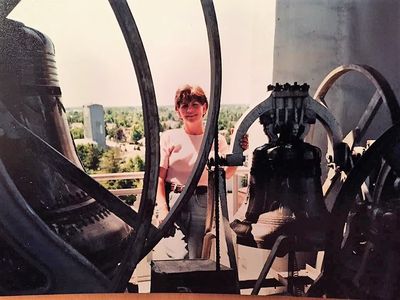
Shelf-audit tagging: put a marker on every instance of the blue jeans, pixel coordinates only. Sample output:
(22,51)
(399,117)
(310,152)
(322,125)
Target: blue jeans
(188,239)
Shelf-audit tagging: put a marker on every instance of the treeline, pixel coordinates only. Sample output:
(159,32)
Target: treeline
(97,160)
(125,124)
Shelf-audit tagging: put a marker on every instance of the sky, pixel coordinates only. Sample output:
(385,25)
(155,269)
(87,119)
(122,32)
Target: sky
(94,65)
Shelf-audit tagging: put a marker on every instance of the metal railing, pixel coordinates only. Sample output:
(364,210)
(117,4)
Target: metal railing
(236,183)
(240,173)
(121,176)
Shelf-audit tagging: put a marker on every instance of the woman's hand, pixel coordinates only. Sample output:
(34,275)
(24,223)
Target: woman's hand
(161,215)
(161,200)
(244,142)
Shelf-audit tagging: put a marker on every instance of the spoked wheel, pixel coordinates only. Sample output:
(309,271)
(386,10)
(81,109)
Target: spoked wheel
(368,268)
(65,270)
(382,94)
(356,218)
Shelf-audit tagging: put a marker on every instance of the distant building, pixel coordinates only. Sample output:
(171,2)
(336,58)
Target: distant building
(93,121)
(84,142)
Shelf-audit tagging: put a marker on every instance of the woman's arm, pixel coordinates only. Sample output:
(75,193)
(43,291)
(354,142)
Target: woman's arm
(230,171)
(161,200)
(244,143)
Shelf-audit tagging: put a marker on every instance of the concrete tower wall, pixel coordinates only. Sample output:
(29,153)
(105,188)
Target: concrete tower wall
(314,37)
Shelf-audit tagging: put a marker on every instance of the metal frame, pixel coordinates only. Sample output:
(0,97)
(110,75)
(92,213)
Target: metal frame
(383,94)
(86,278)
(252,114)
(152,157)
(29,233)
(382,148)
(215,96)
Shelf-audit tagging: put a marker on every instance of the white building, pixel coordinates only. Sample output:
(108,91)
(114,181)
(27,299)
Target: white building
(93,120)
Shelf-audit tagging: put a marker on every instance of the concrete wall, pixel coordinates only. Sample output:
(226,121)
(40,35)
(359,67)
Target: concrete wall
(312,37)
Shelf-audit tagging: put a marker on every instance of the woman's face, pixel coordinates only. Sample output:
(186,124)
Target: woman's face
(192,112)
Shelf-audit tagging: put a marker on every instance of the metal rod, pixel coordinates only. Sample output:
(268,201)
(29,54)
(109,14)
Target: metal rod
(136,241)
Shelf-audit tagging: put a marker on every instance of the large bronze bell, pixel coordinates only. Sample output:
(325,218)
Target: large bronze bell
(30,92)
(285,193)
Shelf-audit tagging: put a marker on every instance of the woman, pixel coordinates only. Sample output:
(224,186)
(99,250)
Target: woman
(179,151)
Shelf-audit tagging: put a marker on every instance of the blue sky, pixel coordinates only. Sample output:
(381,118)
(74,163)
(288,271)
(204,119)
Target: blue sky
(94,64)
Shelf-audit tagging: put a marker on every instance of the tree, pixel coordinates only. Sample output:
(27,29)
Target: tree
(77,133)
(75,116)
(109,162)
(131,165)
(120,135)
(138,164)
(137,132)
(135,164)
(90,155)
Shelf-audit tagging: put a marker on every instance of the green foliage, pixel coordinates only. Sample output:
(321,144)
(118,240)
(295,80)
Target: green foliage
(117,133)
(110,160)
(74,116)
(228,116)
(120,135)
(130,119)
(90,156)
(77,133)
(137,132)
(133,165)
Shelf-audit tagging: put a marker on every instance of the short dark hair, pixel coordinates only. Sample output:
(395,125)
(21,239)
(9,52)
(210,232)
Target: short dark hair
(189,93)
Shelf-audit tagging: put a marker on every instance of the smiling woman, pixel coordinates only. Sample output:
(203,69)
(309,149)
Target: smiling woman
(191,105)
(179,151)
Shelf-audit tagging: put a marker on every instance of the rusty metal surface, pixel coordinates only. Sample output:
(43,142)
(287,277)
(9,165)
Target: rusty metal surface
(29,233)
(6,6)
(34,128)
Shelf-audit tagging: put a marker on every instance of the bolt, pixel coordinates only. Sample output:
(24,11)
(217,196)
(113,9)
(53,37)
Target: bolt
(286,86)
(305,87)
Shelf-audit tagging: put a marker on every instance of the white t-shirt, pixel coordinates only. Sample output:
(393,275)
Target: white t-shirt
(179,152)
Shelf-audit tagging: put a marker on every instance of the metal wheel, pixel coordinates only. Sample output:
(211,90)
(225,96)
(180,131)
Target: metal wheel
(382,94)
(211,126)
(350,268)
(86,277)
(353,220)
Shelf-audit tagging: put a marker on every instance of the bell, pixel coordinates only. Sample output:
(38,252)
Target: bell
(285,192)
(30,92)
